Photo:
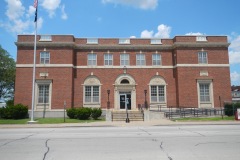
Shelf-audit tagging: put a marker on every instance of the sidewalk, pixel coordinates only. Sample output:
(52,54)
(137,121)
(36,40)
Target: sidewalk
(162,122)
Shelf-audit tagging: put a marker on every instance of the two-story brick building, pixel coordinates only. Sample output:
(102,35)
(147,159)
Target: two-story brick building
(186,71)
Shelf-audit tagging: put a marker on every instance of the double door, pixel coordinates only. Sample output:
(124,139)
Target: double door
(125,101)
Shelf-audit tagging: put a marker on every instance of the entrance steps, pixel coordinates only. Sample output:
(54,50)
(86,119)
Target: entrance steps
(132,115)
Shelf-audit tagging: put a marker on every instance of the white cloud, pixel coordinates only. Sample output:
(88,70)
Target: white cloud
(31,11)
(147,34)
(51,6)
(142,4)
(234,49)
(235,77)
(64,14)
(234,57)
(163,32)
(132,36)
(15,9)
(194,33)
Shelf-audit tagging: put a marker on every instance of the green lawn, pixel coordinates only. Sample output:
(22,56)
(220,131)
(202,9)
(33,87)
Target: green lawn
(48,121)
(231,118)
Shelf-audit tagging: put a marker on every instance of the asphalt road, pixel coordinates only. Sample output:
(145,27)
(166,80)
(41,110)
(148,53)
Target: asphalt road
(193,142)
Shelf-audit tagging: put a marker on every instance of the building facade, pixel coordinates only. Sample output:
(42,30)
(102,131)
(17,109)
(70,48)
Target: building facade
(120,73)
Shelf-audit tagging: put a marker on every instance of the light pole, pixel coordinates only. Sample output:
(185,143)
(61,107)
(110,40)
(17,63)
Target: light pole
(108,103)
(145,92)
(221,106)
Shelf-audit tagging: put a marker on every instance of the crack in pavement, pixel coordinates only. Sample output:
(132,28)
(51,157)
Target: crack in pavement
(210,143)
(192,132)
(17,140)
(46,145)
(145,131)
(161,147)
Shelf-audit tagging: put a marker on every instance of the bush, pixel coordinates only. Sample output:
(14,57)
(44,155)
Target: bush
(18,111)
(71,113)
(96,113)
(10,103)
(230,109)
(83,113)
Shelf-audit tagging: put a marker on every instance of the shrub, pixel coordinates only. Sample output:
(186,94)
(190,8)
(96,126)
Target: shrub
(230,109)
(71,113)
(18,111)
(10,103)
(96,113)
(83,113)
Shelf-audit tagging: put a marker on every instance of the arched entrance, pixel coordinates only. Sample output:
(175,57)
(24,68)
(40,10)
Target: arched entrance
(125,92)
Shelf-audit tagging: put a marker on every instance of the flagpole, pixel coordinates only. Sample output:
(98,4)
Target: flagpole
(34,72)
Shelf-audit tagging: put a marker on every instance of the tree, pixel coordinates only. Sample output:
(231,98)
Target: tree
(7,74)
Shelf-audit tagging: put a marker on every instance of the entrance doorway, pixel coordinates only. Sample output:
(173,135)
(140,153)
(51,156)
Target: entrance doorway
(125,101)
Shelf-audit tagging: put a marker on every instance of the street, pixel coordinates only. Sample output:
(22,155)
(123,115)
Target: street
(178,142)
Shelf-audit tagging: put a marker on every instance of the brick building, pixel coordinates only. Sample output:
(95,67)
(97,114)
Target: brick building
(186,71)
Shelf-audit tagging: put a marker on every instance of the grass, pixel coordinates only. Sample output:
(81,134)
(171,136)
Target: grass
(48,121)
(231,118)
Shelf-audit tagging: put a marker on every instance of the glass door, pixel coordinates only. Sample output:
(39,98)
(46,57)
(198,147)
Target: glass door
(123,98)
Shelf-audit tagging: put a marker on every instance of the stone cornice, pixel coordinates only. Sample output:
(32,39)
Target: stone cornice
(72,45)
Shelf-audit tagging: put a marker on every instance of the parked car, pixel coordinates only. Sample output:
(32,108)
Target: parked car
(2,103)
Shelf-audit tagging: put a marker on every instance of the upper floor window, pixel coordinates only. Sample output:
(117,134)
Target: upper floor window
(140,58)
(201,38)
(92,41)
(108,59)
(156,59)
(44,57)
(202,57)
(92,59)
(45,38)
(124,41)
(124,59)
(156,41)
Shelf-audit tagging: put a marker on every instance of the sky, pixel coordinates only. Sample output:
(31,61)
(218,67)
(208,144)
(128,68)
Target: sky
(123,19)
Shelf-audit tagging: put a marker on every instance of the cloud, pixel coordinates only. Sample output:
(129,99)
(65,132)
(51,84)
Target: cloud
(235,77)
(234,49)
(163,31)
(142,4)
(51,6)
(132,36)
(15,9)
(194,33)
(64,14)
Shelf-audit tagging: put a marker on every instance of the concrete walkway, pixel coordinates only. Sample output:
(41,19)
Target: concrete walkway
(162,122)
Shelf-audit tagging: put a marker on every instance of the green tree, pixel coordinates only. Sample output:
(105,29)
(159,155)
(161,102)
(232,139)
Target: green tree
(7,74)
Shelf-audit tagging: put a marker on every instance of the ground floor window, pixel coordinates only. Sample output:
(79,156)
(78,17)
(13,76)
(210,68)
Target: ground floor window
(205,93)
(43,94)
(157,93)
(91,94)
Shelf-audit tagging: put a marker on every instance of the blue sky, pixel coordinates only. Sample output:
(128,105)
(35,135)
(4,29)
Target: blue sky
(124,18)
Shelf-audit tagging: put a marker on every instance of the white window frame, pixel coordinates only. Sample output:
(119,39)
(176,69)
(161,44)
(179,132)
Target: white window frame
(155,60)
(124,41)
(93,98)
(92,59)
(45,38)
(108,59)
(202,57)
(92,41)
(156,41)
(124,59)
(39,105)
(43,58)
(201,38)
(140,59)
(159,98)
(205,95)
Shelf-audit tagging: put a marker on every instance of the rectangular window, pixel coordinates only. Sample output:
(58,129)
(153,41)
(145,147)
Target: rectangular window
(92,41)
(202,57)
(92,59)
(157,93)
(44,57)
(45,38)
(108,59)
(140,58)
(156,59)
(92,94)
(204,92)
(124,59)
(124,41)
(43,93)
(156,41)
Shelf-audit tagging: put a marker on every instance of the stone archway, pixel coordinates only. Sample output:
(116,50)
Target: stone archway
(125,85)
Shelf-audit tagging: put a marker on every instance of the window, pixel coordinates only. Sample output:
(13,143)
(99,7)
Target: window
(156,59)
(92,41)
(124,81)
(43,94)
(204,92)
(201,38)
(92,94)
(140,59)
(108,59)
(202,57)
(45,38)
(124,41)
(156,41)
(44,57)
(92,59)
(157,93)
(124,59)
